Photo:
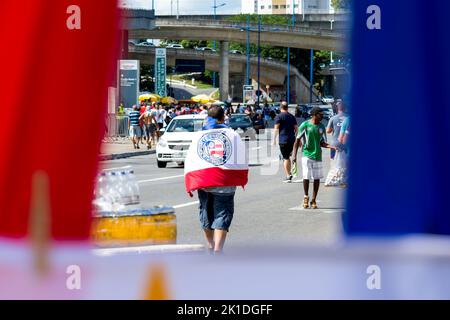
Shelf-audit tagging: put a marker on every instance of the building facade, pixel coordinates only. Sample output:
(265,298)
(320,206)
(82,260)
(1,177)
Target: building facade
(286,6)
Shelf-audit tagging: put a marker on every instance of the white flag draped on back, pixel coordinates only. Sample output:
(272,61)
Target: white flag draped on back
(216,158)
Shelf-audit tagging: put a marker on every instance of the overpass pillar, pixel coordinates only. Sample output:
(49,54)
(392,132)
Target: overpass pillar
(237,82)
(224,76)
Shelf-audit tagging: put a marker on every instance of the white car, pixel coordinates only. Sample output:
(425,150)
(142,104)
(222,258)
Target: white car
(205,49)
(175,46)
(328,99)
(177,138)
(145,44)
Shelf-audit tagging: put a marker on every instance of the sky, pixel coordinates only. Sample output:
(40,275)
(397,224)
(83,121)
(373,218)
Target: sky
(187,7)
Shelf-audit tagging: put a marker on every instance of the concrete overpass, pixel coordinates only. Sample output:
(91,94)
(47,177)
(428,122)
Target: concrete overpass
(222,30)
(139,24)
(272,73)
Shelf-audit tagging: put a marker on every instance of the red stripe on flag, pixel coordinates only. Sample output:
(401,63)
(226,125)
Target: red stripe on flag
(215,177)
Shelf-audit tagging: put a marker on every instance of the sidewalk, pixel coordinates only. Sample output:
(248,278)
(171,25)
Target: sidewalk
(119,148)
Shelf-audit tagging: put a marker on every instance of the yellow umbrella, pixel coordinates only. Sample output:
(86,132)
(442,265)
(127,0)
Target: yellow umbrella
(202,98)
(169,100)
(149,96)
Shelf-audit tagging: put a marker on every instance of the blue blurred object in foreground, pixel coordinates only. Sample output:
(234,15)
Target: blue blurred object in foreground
(400,130)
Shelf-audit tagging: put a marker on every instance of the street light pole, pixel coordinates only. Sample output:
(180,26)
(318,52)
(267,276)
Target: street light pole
(288,92)
(248,51)
(215,44)
(311,76)
(331,53)
(259,59)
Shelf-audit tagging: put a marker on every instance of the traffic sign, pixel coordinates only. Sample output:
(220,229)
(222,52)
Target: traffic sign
(160,72)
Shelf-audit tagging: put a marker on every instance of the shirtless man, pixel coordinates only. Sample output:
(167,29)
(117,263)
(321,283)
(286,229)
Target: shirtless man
(151,126)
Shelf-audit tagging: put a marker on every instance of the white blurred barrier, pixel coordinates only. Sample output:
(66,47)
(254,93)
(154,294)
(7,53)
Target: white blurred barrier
(407,268)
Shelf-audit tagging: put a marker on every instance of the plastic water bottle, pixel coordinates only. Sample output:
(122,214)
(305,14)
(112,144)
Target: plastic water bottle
(112,190)
(100,190)
(126,193)
(135,196)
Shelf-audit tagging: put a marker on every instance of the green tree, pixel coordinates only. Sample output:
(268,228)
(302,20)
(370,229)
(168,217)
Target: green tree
(340,4)
(265,19)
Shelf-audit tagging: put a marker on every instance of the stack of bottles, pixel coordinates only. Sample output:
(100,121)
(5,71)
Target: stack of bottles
(116,189)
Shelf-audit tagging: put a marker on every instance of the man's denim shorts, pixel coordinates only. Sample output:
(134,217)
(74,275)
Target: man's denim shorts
(216,210)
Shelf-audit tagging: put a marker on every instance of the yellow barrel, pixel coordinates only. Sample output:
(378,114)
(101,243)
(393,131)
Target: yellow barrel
(137,227)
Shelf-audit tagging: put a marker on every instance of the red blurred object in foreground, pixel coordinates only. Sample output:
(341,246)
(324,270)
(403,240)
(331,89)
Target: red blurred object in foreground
(53,99)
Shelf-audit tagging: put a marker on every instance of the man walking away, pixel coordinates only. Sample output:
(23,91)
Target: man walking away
(311,139)
(286,129)
(335,125)
(134,126)
(162,114)
(217,203)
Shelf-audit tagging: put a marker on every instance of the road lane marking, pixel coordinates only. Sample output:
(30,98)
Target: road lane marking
(159,179)
(186,204)
(257,148)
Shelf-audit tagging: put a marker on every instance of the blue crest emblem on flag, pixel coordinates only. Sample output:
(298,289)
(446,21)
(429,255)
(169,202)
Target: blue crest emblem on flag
(215,148)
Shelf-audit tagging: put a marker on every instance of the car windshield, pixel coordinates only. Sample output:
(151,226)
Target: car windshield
(239,120)
(185,125)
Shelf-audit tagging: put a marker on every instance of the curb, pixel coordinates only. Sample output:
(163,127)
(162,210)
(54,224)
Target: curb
(105,157)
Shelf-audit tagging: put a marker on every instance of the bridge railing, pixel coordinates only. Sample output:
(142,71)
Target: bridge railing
(243,26)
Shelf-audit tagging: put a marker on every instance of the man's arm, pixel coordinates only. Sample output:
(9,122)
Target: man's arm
(275,133)
(330,126)
(323,144)
(297,145)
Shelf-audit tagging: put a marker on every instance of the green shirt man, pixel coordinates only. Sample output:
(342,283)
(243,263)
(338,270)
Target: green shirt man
(312,136)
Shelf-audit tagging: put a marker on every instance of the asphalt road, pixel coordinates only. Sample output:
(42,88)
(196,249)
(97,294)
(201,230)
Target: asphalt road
(267,212)
(185,93)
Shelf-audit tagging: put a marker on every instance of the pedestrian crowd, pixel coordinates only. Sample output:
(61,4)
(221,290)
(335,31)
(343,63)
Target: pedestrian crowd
(217,199)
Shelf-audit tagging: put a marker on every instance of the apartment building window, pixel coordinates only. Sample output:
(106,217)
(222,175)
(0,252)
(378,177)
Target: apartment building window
(262,7)
(270,6)
(288,6)
(275,6)
(283,6)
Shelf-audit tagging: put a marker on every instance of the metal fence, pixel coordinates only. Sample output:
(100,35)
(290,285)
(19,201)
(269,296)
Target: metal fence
(117,125)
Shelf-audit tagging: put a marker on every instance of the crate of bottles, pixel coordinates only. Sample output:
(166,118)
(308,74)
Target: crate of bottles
(119,218)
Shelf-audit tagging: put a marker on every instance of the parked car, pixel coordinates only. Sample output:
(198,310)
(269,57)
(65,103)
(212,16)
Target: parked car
(305,111)
(242,124)
(235,52)
(258,122)
(205,49)
(175,46)
(145,44)
(177,138)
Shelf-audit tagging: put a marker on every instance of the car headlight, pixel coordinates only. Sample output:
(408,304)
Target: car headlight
(162,143)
